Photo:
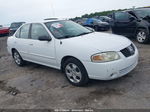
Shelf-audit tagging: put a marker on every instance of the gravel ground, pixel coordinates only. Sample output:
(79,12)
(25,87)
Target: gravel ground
(39,87)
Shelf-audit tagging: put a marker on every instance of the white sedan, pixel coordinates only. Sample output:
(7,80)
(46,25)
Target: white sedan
(80,53)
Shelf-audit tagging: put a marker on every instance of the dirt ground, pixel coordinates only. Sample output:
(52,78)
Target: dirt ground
(39,87)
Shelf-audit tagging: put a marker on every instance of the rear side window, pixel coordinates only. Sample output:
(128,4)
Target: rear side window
(24,31)
(37,31)
(17,34)
(122,16)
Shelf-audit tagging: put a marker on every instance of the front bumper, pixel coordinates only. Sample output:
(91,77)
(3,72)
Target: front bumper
(112,70)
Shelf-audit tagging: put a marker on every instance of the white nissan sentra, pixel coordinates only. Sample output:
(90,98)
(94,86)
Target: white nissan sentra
(80,53)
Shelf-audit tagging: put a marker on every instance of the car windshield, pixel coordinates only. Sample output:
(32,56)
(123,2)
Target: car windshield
(143,13)
(16,25)
(66,29)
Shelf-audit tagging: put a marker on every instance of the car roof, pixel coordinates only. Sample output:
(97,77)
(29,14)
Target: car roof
(53,20)
(46,21)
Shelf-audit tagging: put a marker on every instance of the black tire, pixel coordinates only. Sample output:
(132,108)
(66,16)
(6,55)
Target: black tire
(96,28)
(142,36)
(17,58)
(82,79)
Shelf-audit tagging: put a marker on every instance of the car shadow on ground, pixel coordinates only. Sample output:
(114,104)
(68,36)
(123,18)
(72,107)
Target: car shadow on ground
(92,82)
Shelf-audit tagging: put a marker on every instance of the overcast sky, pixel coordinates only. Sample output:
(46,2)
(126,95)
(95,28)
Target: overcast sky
(36,10)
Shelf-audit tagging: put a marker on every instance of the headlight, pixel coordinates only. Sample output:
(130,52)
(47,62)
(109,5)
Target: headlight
(105,57)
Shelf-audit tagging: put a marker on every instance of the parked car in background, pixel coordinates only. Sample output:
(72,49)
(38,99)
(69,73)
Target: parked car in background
(105,19)
(81,21)
(4,31)
(133,23)
(14,26)
(80,53)
(97,24)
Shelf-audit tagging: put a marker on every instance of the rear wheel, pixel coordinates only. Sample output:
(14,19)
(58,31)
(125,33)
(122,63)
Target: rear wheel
(142,36)
(75,72)
(17,58)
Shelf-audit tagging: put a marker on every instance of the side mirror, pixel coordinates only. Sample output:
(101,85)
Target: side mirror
(44,38)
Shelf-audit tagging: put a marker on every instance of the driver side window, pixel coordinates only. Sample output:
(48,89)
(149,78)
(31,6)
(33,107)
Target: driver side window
(37,31)
(122,16)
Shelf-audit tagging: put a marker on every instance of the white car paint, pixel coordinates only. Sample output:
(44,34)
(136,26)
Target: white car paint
(81,47)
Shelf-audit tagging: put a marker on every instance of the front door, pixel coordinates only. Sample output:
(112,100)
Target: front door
(42,52)
(123,25)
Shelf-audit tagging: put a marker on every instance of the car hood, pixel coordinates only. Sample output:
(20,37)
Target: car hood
(100,41)
(147,19)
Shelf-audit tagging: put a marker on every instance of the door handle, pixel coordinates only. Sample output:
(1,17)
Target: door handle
(31,44)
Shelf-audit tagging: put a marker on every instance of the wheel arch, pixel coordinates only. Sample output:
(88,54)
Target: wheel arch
(65,58)
(12,51)
(145,28)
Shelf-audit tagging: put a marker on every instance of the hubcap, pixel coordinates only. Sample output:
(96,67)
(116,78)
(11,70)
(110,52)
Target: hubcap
(141,36)
(73,73)
(17,58)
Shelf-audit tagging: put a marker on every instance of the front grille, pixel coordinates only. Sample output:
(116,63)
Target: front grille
(129,51)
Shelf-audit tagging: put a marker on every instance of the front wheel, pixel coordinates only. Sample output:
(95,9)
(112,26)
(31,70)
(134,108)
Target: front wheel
(75,72)
(142,36)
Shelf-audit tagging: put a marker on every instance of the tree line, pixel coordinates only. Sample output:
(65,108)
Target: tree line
(103,13)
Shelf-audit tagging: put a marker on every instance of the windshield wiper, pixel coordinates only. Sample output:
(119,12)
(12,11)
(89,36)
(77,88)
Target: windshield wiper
(83,33)
(70,36)
(66,36)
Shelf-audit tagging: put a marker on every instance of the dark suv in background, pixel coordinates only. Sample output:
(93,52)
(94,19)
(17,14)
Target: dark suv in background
(14,26)
(132,23)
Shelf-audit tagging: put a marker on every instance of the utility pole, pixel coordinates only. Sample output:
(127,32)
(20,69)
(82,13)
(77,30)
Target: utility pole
(133,7)
(52,8)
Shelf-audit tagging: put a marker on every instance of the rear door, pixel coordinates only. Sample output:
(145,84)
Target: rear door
(122,24)
(21,42)
(42,52)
